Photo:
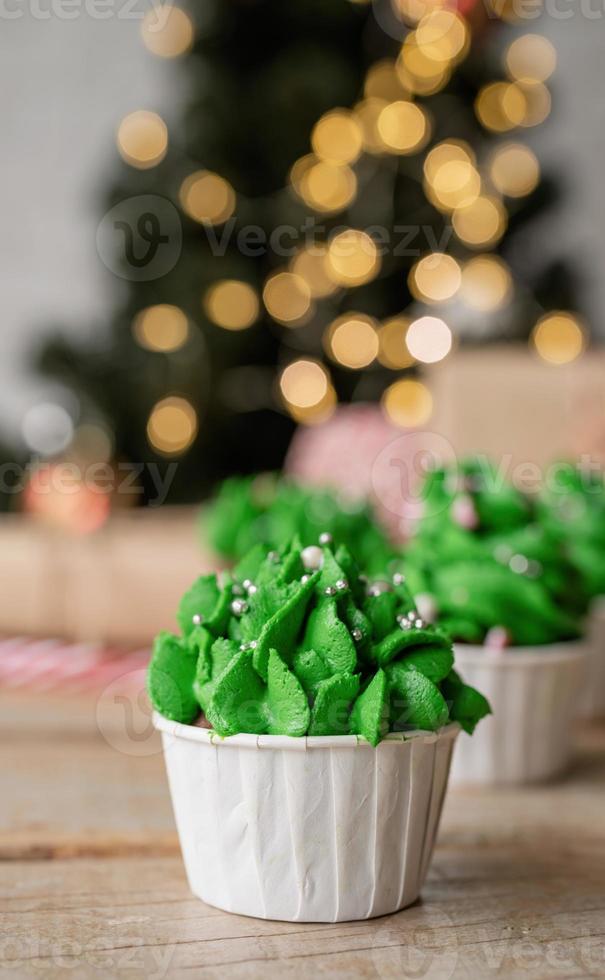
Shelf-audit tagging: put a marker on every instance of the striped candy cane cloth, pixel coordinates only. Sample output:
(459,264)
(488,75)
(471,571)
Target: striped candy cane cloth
(55,665)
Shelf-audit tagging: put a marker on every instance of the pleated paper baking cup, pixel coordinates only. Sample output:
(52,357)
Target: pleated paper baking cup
(316,829)
(533,692)
(592,701)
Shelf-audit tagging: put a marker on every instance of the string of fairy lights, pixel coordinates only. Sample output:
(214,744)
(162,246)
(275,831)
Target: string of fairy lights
(387,121)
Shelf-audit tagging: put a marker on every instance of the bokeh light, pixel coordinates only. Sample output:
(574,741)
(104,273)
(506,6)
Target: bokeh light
(142,139)
(47,428)
(451,179)
(304,385)
(514,170)
(287,298)
(207,197)
(337,137)
(323,186)
(352,340)
(352,258)
(393,351)
(501,106)
(162,327)
(367,113)
(486,283)
(310,265)
(537,103)
(383,82)
(231,304)
(443,36)
(531,56)
(429,339)
(559,337)
(407,403)
(403,127)
(172,426)
(167,30)
(481,223)
(435,278)
(412,11)
(418,69)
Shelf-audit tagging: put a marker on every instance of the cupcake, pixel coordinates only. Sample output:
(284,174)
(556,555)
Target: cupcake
(270,510)
(308,718)
(512,601)
(572,507)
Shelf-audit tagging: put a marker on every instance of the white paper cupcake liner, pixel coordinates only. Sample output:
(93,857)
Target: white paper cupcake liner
(592,700)
(533,692)
(306,829)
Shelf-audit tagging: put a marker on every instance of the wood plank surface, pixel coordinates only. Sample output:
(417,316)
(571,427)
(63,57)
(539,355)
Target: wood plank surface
(92,885)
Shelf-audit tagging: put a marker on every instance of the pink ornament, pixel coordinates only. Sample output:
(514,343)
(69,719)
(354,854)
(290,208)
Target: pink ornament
(498,638)
(465,513)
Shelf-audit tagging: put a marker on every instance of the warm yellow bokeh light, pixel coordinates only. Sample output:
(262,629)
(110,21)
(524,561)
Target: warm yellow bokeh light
(481,223)
(352,340)
(403,127)
(327,187)
(559,337)
(486,283)
(207,197)
(352,258)
(447,152)
(429,339)
(418,71)
(455,184)
(304,384)
(383,82)
(407,403)
(287,298)
(443,36)
(412,11)
(393,352)
(435,278)
(167,31)
(142,139)
(172,426)
(231,304)
(501,106)
(537,103)
(531,56)
(514,170)
(310,265)
(337,137)
(367,113)
(161,328)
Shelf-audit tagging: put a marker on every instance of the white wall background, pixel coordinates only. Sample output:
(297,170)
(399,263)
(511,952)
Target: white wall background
(64,85)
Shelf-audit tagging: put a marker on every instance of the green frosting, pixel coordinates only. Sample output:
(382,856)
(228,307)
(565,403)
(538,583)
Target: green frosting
(307,647)
(270,510)
(486,562)
(572,508)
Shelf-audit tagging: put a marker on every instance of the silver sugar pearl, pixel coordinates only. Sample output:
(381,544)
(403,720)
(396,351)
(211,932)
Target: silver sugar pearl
(325,538)
(305,578)
(398,578)
(412,615)
(330,590)
(239,607)
(342,584)
(252,589)
(312,557)
(247,583)
(197,619)
(357,635)
(519,564)
(404,623)
(419,623)
(253,644)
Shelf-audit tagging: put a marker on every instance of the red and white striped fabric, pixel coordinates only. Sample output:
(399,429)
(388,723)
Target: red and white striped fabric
(55,665)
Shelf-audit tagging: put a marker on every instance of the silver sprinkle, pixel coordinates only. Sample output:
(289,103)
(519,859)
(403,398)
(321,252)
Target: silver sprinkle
(419,624)
(398,578)
(247,583)
(519,564)
(412,615)
(342,584)
(357,635)
(305,578)
(330,590)
(239,607)
(377,588)
(325,538)
(253,644)
(197,619)
(252,589)
(405,624)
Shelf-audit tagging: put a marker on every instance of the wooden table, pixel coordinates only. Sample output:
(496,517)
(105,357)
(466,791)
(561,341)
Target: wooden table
(92,884)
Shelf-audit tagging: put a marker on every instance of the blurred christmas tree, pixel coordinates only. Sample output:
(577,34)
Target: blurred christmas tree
(346,185)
